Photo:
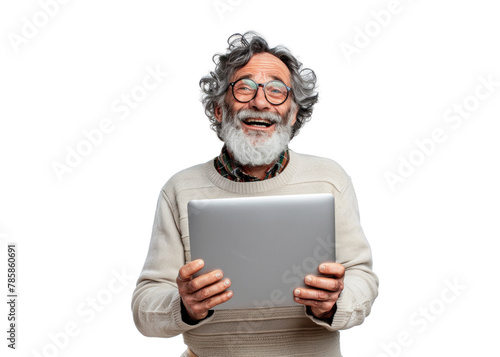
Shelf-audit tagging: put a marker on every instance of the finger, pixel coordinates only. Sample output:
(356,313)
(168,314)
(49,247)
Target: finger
(211,290)
(201,308)
(187,271)
(203,281)
(315,294)
(218,299)
(319,282)
(323,306)
(334,269)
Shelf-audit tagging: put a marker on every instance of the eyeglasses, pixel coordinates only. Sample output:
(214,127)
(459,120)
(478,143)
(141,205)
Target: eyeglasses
(244,90)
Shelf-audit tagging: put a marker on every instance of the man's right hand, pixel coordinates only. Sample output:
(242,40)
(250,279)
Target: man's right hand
(202,293)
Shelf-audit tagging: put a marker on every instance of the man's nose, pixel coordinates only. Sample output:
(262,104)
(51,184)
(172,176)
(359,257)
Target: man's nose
(260,102)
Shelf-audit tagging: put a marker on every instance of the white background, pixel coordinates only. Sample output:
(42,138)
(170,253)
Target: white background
(435,228)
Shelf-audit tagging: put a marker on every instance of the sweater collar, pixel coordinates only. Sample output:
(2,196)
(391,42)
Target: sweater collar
(227,167)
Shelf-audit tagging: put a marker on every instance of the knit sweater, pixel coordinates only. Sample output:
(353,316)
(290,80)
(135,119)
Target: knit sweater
(268,331)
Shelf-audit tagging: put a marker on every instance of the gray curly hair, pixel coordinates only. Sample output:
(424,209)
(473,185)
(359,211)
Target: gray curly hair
(241,49)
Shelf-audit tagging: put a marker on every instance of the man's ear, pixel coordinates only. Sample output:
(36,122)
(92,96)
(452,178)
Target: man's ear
(294,115)
(218,113)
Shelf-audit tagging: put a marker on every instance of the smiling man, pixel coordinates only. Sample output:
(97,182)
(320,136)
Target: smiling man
(257,124)
(257,99)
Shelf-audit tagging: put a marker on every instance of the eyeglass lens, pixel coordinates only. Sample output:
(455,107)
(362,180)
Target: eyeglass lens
(244,90)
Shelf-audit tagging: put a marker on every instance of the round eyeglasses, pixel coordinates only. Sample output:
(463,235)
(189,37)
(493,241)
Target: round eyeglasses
(244,90)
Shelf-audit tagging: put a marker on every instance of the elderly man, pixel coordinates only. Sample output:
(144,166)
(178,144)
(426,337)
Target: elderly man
(257,100)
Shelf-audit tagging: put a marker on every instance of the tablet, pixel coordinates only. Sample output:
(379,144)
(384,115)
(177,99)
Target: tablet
(266,245)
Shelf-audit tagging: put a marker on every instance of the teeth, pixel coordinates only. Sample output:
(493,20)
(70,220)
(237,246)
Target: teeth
(259,122)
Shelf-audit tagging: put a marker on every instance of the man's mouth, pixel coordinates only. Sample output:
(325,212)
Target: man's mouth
(258,123)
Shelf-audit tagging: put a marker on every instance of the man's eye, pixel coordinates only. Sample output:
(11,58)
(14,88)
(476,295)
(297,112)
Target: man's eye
(275,90)
(244,88)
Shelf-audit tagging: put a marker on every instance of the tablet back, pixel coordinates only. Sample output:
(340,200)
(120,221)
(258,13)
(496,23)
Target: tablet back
(265,245)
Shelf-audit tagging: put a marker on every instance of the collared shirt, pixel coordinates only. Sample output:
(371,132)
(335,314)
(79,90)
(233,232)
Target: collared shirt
(229,169)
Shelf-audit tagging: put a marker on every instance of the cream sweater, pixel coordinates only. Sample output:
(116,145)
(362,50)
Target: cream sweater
(283,331)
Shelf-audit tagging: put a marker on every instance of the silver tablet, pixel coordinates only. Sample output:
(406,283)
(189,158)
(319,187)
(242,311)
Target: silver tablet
(265,245)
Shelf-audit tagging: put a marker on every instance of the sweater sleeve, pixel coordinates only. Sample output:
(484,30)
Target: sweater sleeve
(354,253)
(156,303)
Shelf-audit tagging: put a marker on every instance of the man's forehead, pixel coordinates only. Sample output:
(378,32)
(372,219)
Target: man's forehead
(264,65)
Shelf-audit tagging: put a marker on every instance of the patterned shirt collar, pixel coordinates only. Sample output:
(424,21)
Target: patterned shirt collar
(229,169)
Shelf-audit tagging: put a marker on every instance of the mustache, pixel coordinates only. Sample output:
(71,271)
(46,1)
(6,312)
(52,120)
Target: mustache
(249,113)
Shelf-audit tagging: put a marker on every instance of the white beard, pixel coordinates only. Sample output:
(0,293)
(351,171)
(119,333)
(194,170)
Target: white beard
(255,148)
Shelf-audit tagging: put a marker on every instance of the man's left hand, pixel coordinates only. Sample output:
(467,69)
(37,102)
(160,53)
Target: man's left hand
(324,291)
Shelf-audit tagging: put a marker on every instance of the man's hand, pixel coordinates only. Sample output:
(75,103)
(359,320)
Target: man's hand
(324,291)
(202,293)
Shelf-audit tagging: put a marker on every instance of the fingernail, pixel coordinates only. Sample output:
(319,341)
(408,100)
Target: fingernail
(218,275)
(227,283)
(297,299)
(309,279)
(200,263)
(229,294)
(297,292)
(322,268)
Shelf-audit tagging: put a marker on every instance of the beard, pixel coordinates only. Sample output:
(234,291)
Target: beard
(255,148)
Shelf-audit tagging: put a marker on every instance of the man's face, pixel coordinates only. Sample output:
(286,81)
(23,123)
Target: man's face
(239,129)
